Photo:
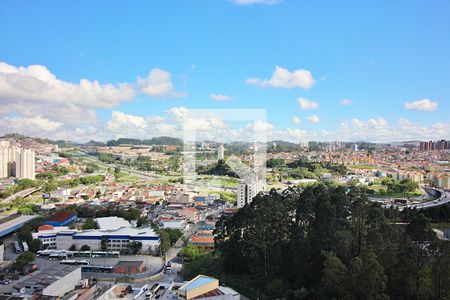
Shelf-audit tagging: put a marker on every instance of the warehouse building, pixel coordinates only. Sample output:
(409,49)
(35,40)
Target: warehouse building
(61,218)
(55,281)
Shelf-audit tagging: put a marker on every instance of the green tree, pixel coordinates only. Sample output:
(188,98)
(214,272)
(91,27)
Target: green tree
(85,248)
(104,243)
(135,246)
(334,276)
(23,259)
(35,245)
(189,253)
(73,247)
(89,224)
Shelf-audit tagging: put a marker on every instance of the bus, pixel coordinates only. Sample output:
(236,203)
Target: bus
(25,246)
(105,254)
(97,269)
(17,247)
(82,254)
(75,262)
(58,256)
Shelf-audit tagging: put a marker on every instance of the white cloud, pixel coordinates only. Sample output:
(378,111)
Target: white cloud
(122,124)
(306,104)
(37,83)
(346,102)
(36,124)
(296,120)
(251,2)
(220,97)
(421,105)
(313,119)
(158,83)
(283,78)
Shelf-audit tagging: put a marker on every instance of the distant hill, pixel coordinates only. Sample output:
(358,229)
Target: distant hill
(162,140)
(19,137)
(94,143)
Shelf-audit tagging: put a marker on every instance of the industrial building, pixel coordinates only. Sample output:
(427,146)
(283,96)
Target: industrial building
(16,162)
(55,281)
(205,287)
(62,238)
(61,218)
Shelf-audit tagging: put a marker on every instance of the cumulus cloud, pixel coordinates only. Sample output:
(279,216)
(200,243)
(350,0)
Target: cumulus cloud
(37,83)
(123,124)
(251,2)
(306,104)
(346,102)
(313,119)
(36,124)
(421,105)
(296,120)
(158,83)
(220,97)
(283,78)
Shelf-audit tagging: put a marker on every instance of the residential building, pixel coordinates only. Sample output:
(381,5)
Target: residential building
(16,162)
(247,191)
(220,152)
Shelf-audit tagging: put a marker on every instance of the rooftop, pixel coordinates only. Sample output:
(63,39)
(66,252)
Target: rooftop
(112,223)
(129,264)
(62,216)
(198,282)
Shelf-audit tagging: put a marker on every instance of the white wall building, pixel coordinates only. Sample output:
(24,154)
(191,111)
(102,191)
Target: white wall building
(220,152)
(117,240)
(247,191)
(16,162)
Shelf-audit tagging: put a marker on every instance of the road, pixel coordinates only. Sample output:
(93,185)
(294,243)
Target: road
(21,194)
(442,200)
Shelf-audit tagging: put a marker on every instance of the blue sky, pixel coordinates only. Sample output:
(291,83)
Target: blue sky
(378,54)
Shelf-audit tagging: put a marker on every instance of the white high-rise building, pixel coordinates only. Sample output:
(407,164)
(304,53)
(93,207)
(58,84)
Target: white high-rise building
(220,152)
(247,191)
(355,147)
(16,162)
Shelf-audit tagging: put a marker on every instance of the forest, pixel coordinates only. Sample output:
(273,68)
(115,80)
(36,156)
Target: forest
(327,242)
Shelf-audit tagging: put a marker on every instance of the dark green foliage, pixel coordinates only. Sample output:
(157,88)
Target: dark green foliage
(328,242)
(23,259)
(275,163)
(85,248)
(35,245)
(162,140)
(219,169)
(89,224)
(135,247)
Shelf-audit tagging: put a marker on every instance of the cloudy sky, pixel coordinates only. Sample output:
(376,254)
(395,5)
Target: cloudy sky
(321,70)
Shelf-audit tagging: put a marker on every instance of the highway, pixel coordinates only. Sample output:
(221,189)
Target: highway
(442,200)
(21,194)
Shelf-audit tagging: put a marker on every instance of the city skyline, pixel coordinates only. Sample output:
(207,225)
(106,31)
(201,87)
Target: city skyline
(137,70)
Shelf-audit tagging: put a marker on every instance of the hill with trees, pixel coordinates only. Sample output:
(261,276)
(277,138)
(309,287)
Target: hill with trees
(326,242)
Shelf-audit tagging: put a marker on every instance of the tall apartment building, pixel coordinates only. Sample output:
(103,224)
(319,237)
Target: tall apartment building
(437,145)
(16,162)
(220,152)
(247,191)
